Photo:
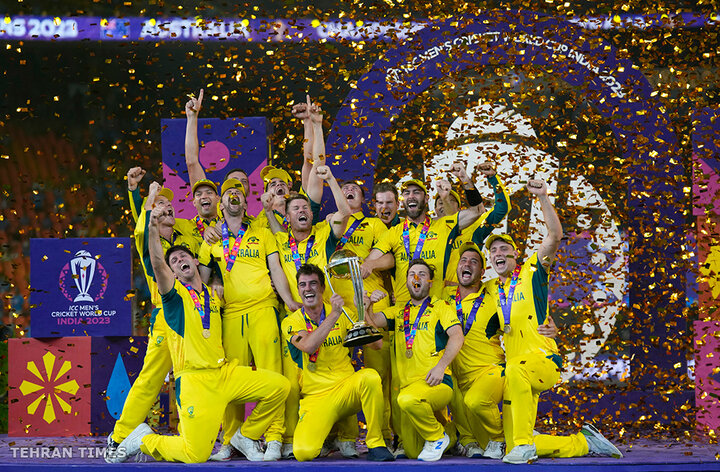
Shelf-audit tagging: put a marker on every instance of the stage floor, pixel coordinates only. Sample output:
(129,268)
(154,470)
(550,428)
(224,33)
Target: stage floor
(85,453)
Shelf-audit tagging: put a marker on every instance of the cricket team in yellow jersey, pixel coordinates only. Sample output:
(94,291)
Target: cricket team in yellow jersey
(244,311)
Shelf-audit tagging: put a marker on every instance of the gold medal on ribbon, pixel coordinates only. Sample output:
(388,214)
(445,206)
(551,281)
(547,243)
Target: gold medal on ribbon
(506,329)
(206,333)
(408,353)
(312,366)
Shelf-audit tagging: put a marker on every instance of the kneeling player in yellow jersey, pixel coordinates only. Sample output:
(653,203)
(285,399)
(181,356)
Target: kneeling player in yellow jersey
(478,367)
(533,364)
(247,260)
(479,364)
(157,362)
(331,389)
(205,381)
(427,339)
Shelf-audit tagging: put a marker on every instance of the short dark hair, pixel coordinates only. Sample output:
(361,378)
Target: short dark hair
(236,169)
(310,269)
(383,187)
(295,196)
(175,248)
(419,261)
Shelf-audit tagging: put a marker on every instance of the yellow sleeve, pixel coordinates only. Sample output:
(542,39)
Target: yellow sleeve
(379,229)
(447,315)
(389,239)
(292,325)
(205,254)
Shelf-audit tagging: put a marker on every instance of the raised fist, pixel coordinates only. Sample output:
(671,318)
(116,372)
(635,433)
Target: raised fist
(487,169)
(134,176)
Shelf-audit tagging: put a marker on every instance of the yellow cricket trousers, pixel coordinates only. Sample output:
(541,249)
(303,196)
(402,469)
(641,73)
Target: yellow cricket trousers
(548,445)
(249,336)
(418,403)
(144,391)
(525,378)
(318,413)
(201,399)
(480,397)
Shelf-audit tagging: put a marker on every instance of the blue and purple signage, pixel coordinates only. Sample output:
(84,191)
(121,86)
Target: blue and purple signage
(80,287)
(225,144)
(94,28)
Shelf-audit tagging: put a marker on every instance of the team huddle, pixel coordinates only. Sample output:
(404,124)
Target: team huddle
(244,313)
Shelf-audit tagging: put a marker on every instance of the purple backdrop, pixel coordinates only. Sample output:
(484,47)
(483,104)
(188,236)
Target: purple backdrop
(80,287)
(225,144)
(618,91)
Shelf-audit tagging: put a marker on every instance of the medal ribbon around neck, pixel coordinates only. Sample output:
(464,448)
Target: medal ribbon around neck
(421,238)
(204,314)
(231,254)
(200,225)
(294,248)
(506,301)
(308,325)
(466,325)
(284,221)
(348,234)
(410,332)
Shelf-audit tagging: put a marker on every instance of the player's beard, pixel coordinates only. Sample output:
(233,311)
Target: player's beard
(415,212)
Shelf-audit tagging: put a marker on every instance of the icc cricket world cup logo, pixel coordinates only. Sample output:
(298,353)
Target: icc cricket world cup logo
(83,271)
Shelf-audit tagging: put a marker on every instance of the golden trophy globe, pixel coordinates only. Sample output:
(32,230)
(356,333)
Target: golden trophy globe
(345,264)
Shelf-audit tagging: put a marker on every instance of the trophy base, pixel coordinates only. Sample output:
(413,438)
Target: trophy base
(361,334)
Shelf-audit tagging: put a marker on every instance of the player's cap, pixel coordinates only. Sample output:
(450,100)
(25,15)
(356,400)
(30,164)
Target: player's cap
(471,246)
(454,194)
(504,237)
(233,183)
(167,193)
(271,172)
(202,182)
(410,182)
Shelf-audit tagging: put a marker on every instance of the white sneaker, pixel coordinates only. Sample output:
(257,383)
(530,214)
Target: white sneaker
(473,450)
(598,444)
(224,454)
(399,452)
(131,444)
(346,448)
(248,447)
(273,451)
(521,454)
(286,452)
(494,449)
(433,450)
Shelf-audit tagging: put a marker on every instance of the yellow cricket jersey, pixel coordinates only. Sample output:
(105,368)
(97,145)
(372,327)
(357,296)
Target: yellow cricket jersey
(333,361)
(366,235)
(430,339)
(247,285)
(141,244)
(480,229)
(322,242)
(194,227)
(435,251)
(529,309)
(261,221)
(189,349)
(482,342)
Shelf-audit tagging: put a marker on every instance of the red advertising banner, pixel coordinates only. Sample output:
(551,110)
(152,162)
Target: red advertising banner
(49,387)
